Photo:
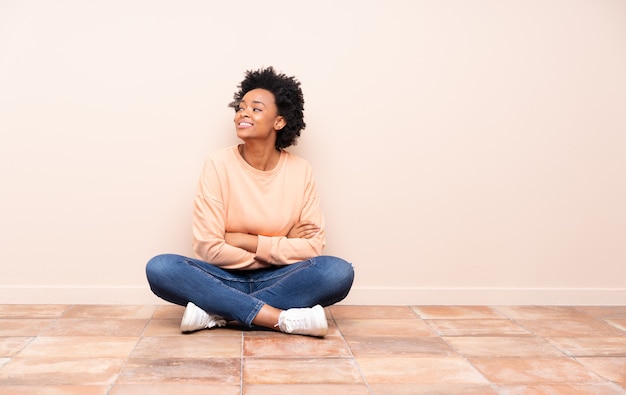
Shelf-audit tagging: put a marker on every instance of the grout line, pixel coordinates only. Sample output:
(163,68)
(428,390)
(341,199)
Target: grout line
(460,354)
(125,363)
(367,384)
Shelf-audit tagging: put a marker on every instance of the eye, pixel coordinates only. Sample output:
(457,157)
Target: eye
(257,109)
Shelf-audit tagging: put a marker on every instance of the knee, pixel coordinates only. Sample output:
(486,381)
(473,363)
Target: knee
(338,277)
(345,270)
(340,271)
(158,266)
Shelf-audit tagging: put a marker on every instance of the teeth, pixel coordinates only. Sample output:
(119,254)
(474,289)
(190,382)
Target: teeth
(245,124)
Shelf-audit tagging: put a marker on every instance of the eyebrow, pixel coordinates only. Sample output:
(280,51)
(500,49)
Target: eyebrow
(253,102)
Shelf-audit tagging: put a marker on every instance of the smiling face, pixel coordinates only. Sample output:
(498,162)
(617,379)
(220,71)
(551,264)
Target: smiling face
(257,117)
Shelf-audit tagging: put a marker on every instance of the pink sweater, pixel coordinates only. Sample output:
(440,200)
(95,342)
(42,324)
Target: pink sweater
(233,196)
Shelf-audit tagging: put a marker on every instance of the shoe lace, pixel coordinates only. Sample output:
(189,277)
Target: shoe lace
(290,322)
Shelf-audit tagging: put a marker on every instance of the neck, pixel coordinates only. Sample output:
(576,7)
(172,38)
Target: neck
(261,157)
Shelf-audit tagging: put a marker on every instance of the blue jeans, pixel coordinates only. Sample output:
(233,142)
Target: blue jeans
(240,294)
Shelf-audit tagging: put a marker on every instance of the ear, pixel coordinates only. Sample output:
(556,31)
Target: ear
(279,123)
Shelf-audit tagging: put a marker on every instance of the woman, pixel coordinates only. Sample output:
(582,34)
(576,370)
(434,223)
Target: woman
(258,231)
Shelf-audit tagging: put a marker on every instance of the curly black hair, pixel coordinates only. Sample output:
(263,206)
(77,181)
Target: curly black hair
(287,95)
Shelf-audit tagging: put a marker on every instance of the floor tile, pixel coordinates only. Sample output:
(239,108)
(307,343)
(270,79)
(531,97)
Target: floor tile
(32,310)
(533,371)
(571,327)
(80,347)
(563,389)
(60,371)
(175,389)
(300,371)
(604,311)
(95,327)
(611,368)
(295,346)
(205,371)
(163,327)
(170,311)
(419,370)
(10,346)
(477,328)
(541,312)
(54,389)
(591,346)
(403,346)
(384,328)
(503,346)
(457,312)
(24,327)
(306,389)
(433,389)
(167,347)
(341,312)
(111,311)
(619,323)
(137,349)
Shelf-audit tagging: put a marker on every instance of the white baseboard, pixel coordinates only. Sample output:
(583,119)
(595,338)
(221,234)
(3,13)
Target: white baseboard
(486,296)
(357,296)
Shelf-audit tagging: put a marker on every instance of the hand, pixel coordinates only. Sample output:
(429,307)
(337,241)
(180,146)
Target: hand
(242,240)
(303,230)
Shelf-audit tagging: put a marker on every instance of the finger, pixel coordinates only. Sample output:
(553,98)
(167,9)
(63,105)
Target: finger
(312,233)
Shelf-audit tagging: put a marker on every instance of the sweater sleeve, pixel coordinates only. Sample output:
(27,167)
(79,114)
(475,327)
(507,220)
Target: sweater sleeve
(281,250)
(208,225)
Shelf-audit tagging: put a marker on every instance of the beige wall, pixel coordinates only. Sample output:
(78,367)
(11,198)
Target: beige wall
(466,151)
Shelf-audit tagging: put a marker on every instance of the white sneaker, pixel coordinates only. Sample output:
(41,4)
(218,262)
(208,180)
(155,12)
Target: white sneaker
(195,319)
(307,321)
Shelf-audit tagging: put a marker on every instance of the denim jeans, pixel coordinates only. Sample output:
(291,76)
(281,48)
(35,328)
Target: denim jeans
(240,294)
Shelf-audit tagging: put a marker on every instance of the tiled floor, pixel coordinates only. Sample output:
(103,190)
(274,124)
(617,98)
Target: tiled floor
(112,349)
